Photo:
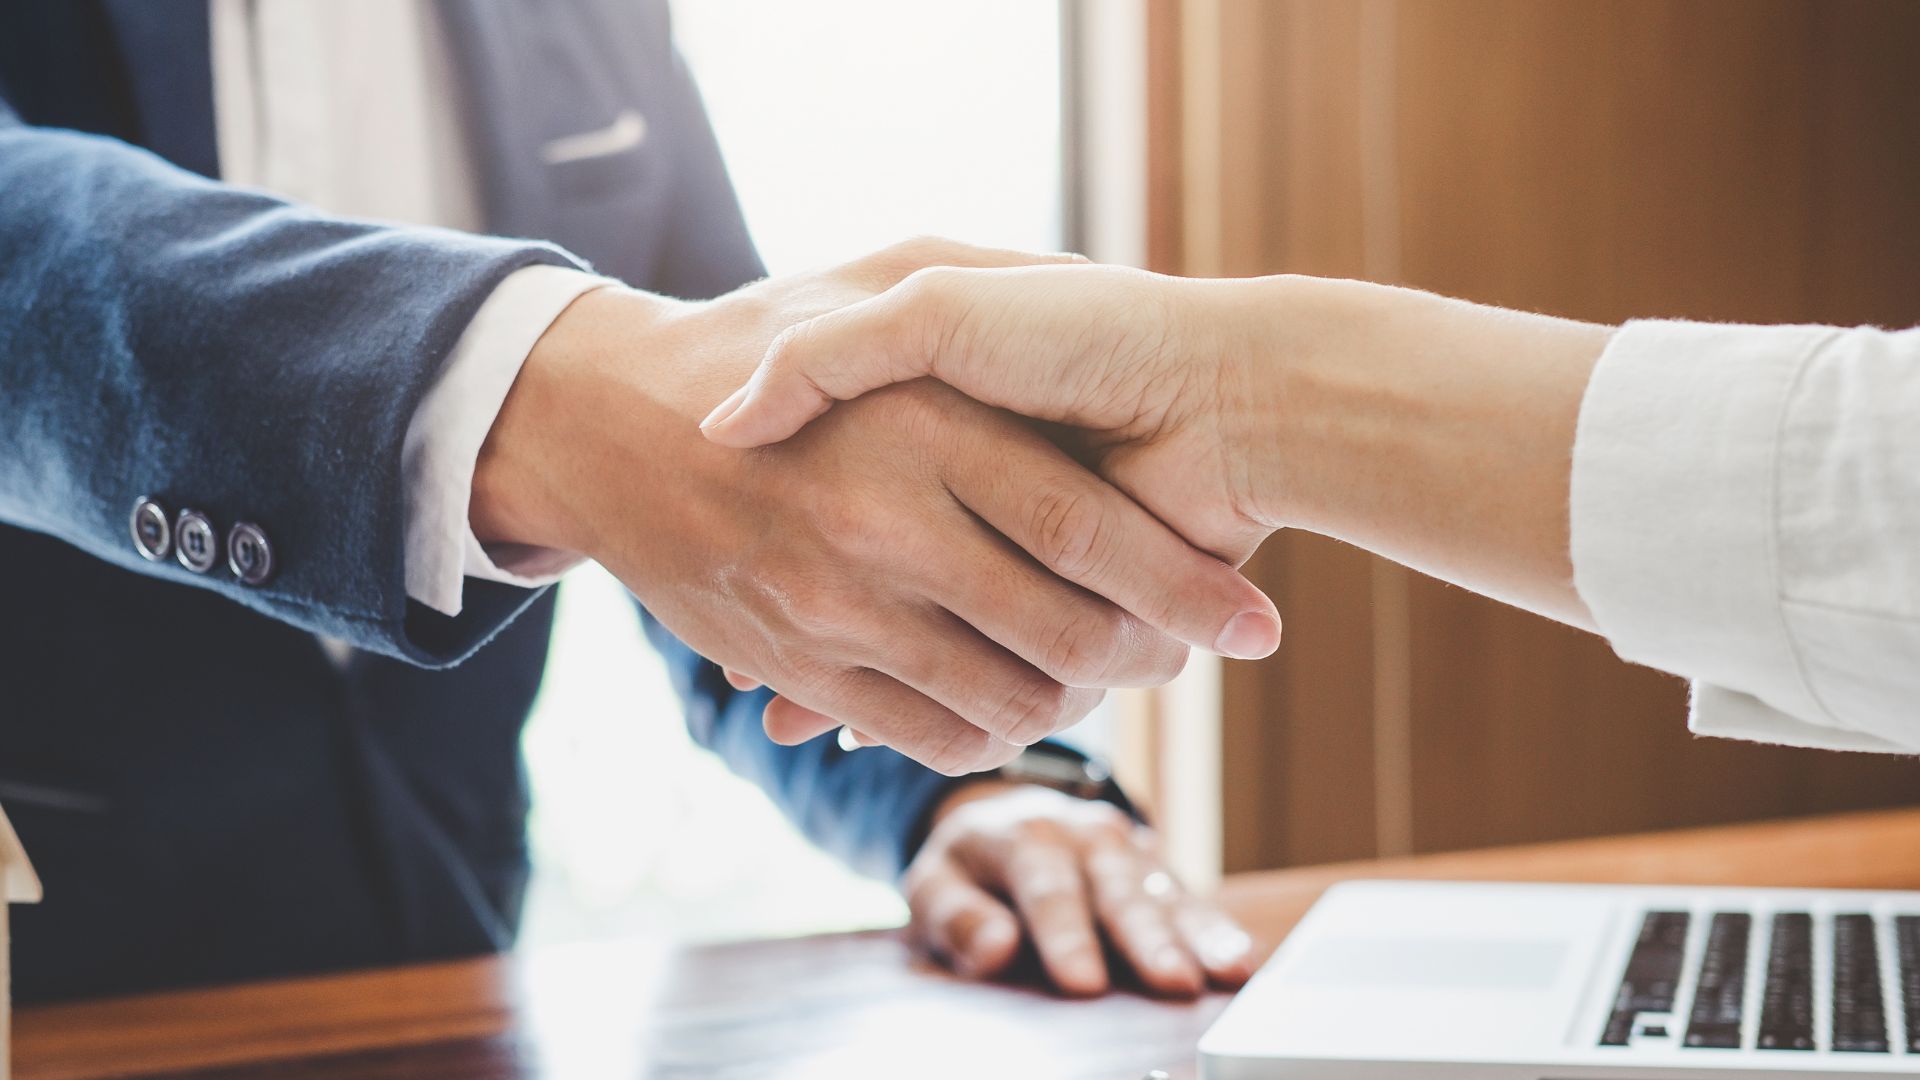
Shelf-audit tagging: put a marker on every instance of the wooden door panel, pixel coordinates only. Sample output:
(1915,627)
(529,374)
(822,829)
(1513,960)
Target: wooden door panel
(1751,160)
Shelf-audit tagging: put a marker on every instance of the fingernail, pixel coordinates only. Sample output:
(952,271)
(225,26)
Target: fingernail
(1249,635)
(991,938)
(1168,959)
(1225,946)
(1084,973)
(726,408)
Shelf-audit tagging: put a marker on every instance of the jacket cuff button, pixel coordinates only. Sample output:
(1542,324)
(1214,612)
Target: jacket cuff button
(194,542)
(249,555)
(152,532)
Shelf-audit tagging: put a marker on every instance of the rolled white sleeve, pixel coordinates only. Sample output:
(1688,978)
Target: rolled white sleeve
(443,441)
(1746,513)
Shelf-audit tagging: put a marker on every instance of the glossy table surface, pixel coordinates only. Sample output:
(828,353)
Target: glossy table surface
(835,1006)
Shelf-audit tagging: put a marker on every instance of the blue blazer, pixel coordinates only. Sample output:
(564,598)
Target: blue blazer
(207,796)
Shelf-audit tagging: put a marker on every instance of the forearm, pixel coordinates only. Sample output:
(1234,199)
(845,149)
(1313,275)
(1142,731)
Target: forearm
(1435,432)
(1734,506)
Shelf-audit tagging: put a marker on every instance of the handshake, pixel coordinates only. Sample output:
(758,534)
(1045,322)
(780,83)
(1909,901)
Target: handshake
(1053,501)
(933,573)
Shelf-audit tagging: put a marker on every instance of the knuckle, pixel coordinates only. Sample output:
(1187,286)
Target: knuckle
(815,610)
(900,326)
(937,314)
(959,752)
(897,260)
(1036,708)
(964,926)
(1136,654)
(923,249)
(1000,753)
(1043,877)
(1084,650)
(1110,826)
(1069,531)
(1159,658)
(920,416)
(826,682)
(790,346)
(929,287)
(1164,606)
(854,526)
(1043,836)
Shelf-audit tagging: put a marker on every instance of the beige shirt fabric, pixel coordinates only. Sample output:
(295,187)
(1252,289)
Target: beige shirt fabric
(1746,513)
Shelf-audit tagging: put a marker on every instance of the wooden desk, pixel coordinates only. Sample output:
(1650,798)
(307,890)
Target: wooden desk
(832,1007)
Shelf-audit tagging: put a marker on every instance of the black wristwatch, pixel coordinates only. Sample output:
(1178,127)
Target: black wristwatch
(1065,769)
(1047,764)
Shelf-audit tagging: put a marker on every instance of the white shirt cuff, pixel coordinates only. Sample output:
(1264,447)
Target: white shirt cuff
(443,441)
(1730,714)
(1673,505)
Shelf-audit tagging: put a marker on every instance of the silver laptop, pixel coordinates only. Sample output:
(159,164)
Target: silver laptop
(1581,982)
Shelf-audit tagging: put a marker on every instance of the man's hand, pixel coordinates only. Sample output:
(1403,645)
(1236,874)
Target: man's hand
(1079,880)
(1150,369)
(931,572)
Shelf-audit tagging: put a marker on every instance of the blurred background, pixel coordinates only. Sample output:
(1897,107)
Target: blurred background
(1754,160)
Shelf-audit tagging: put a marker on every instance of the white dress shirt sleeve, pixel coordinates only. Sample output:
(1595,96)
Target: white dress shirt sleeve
(1746,513)
(443,441)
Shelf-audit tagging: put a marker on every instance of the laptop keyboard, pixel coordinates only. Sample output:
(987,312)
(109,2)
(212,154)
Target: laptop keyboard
(1720,996)
(1786,1005)
(1859,1013)
(1718,999)
(1906,936)
(1653,974)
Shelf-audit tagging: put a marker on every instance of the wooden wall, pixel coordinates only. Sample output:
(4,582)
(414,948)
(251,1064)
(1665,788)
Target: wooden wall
(1754,160)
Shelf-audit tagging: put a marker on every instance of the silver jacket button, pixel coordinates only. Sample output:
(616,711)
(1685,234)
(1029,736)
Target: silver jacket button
(152,532)
(195,543)
(249,555)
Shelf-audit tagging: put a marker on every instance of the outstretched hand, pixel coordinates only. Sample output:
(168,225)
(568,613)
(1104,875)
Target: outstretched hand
(931,572)
(1116,354)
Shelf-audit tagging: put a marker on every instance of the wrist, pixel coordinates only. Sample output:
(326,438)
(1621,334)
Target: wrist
(533,483)
(1307,362)
(1249,357)
(1433,431)
(968,791)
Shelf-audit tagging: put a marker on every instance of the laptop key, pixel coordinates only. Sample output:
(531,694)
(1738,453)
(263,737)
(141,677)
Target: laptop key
(1859,1007)
(1786,1006)
(1906,936)
(1653,974)
(1720,993)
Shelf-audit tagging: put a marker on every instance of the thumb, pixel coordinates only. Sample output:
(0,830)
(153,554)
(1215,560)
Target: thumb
(834,357)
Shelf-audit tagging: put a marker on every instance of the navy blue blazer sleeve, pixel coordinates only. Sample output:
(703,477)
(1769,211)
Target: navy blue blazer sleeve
(163,335)
(868,807)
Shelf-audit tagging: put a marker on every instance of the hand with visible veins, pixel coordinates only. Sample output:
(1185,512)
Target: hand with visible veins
(1075,881)
(931,572)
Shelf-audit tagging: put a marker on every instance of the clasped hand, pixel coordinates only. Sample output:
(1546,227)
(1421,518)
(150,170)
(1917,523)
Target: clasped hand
(929,571)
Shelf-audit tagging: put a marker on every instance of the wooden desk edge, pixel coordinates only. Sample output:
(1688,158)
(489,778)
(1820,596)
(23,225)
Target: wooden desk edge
(483,997)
